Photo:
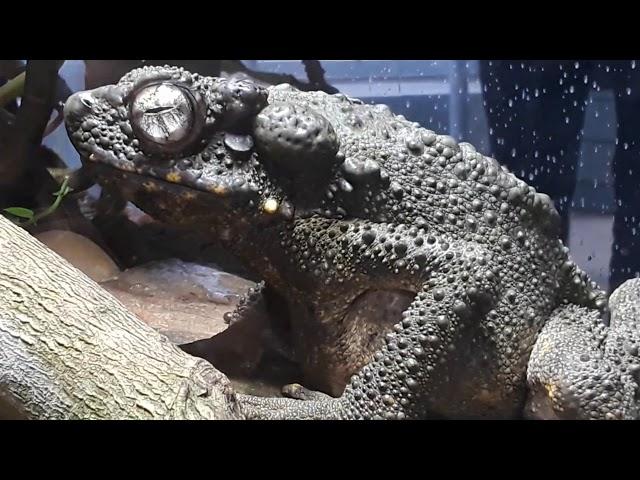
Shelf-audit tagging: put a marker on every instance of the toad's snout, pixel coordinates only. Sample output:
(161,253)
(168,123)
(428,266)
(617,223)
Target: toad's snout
(81,104)
(78,105)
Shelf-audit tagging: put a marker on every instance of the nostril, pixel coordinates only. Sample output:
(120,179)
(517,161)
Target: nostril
(78,105)
(86,101)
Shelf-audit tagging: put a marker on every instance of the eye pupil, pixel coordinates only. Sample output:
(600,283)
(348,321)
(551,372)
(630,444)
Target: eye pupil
(158,109)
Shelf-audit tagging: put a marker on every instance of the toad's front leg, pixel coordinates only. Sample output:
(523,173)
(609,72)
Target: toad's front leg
(358,278)
(410,376)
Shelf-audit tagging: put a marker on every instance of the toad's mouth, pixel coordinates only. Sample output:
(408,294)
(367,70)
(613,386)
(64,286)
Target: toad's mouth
(182,176)
(105,164)
(181,203)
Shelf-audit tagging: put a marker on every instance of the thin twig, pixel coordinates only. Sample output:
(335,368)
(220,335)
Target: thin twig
(60,194)
(234,66)
(12,89)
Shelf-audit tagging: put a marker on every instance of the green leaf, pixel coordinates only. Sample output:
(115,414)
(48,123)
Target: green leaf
(20,212)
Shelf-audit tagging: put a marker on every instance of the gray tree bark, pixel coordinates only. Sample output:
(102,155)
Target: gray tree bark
(69,350)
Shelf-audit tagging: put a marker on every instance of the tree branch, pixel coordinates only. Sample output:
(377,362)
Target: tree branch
(315,75)
(70,350)
(31,120)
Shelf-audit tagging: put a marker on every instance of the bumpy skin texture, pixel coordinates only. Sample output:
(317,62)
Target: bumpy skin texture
(580,368)
(412,269)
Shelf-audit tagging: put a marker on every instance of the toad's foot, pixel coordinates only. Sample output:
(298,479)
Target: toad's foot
(582,369)
(298,392)
(269,408)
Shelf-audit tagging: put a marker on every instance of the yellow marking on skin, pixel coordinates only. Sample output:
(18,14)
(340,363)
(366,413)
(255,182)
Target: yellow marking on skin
(173,177)
(270,206)
(551,390)
(220,190)
(189,195)
(545,347)
(150,186)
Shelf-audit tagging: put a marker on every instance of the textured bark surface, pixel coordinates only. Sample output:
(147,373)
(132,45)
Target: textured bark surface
(68,349)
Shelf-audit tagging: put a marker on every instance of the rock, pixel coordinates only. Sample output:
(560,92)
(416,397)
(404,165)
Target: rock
(82,253)
(184,301)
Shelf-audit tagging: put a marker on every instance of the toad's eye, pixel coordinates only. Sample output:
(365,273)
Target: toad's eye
(165,117)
